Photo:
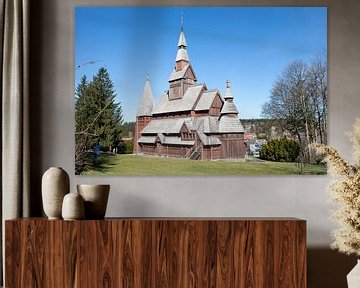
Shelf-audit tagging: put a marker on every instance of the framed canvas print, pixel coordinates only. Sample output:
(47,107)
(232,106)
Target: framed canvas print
(200,90)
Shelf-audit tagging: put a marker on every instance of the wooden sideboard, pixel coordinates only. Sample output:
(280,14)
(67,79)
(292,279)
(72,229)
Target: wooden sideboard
(156,252)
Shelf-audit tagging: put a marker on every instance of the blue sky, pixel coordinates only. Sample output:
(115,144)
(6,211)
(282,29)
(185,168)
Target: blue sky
(250,46)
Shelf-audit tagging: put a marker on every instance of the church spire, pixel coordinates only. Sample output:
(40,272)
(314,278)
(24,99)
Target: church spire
(182,40)
(147,100)
(183,76)
(182,57)
(229,121)
(229,107)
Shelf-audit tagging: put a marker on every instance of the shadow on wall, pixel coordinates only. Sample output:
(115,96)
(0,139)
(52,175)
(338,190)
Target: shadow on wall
(328,268)
(37,41)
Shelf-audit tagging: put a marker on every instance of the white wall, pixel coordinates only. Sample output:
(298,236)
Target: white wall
(297,196)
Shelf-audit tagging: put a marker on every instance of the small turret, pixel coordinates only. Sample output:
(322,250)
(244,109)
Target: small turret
(229,107)
(144,113)
(229,121)
(147,102)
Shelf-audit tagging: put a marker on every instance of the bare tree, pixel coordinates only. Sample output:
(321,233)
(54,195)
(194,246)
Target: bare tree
(299,99)
(317,90)
(288,100)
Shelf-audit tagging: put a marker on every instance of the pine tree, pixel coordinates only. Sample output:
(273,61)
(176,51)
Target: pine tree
(98,116)
(107,120)
(81,113)
(81,110)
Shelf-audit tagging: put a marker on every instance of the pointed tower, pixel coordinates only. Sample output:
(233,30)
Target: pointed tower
(230,128)
(147,101)
(183,75)
(182,57)
(144,113)
(229,121)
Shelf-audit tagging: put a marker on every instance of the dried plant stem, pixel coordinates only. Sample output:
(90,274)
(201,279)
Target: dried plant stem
(345,192)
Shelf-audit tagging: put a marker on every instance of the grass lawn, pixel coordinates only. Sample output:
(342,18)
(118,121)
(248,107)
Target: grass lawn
(115,164)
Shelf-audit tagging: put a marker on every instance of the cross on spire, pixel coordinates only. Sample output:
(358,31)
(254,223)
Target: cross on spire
(182,20)
(182,41)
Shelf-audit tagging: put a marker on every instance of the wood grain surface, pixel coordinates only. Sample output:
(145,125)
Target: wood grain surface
(157,253)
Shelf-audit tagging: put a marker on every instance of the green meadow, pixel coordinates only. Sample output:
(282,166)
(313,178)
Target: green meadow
(128,164)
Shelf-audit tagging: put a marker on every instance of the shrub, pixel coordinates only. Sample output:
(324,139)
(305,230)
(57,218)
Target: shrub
(280,150)
(126,147)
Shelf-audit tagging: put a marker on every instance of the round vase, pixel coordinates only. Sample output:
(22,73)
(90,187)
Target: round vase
(96,198)
(55,185)
(73,207)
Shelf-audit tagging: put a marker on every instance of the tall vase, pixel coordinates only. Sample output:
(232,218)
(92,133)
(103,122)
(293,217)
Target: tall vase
(55,185)
(353,278)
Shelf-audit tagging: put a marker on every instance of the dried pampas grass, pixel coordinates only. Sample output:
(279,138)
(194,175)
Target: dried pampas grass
(345,192)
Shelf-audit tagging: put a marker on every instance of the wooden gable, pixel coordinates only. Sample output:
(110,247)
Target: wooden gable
(218,102)
(215,108)
(203,89)
(190,74)
(184,128)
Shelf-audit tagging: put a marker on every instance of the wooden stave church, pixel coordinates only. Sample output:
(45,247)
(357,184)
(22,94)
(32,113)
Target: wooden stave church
(189,121)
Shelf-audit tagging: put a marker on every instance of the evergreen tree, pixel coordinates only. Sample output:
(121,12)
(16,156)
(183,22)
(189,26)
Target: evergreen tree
(81,109)
(98,116)
(280,150)
(107,119)
(81,114)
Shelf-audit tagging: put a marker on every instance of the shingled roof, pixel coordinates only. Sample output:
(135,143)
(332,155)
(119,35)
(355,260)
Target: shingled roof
(164,126)
(182,54)
(147,139)
(229,121)
(206,100)
(229,108)
(147,101)
(182,40)
(186,103)
(230,124)
(169,140)
(178,74)
(205,127)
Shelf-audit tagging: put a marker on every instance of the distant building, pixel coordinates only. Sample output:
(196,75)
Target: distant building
(249,136)
(189,121)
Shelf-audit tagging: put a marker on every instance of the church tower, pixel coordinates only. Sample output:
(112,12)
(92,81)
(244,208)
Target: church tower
(144,113)
(229,120)
(230,128)
(183,75)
